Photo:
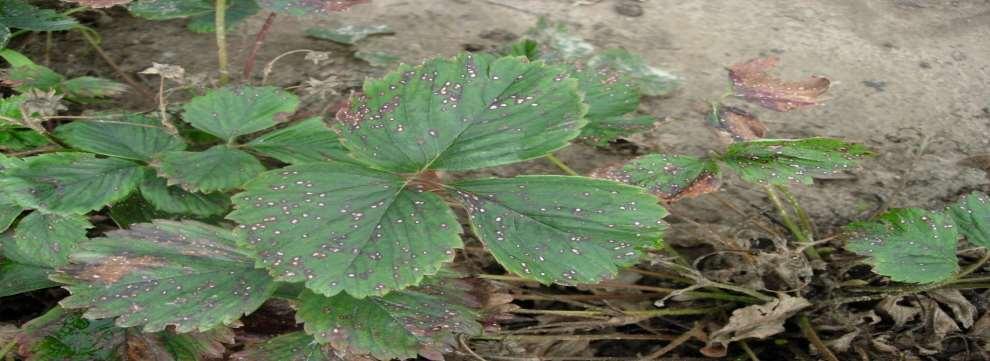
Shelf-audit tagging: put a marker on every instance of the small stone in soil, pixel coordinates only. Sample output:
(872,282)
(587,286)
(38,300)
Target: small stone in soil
(629,8)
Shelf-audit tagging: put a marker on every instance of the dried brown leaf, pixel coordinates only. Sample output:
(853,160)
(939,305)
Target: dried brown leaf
(735,124)
(962,309)
(752,82)
(844,342)
(900,314)
(756,321)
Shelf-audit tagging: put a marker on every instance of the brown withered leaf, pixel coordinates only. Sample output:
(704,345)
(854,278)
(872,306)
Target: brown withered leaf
(752,82)
(100,4)
(756,321)
(900,314)
(963,310)
(735,124)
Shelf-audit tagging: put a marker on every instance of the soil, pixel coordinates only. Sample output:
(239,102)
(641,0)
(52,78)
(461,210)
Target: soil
(910,79)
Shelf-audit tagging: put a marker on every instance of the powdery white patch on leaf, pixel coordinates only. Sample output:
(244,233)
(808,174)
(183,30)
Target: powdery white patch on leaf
(908,245)
(349,34)
(344,227)
(136,137)
(19,14)
(235,111)
(45,240)
(785,161)
(972,215)
(557,43)
(735,124)
(650,80)
(174,199)
(184,274)
(294,346)
(471,111)
(309,7)
(216,169)
(308,141)
(70,182)
(670,177)
(756,321)
(564,230)
(19,278)
(751,81)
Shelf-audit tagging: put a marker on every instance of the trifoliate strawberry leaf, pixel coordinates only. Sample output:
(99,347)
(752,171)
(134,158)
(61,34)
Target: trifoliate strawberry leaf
(399,325)
(216,169)
(309,7)
(343,227)
(308,141)
(235,111)
(295,346)
(70,182)
(670,177)
(136,137)
(20,14)
(908,245)
(88,88)
(19,278)
(972,215)
(174,199)
(468,112)
(752,81)
(564,230)
(349,34)
(45,240)
(783,161)
(237,12)
(651,81)
(184,274)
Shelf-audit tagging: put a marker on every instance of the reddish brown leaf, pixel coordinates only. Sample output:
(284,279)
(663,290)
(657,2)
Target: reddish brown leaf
(752,82)
(735,124)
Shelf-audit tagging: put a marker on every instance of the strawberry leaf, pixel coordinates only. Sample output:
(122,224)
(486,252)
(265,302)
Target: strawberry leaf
(735,124)
(70,182)
(344,227)
(309,7)
(783,161)
(99,4)
(294,346)
(19,278)
(184,274)
(216,169)
(972,215)
(21,139)
(135,209)
(45,240)
(751,81)
(609,95)
(308,141)
(237,12)
(468,112)
(350,34)
(20,14)
(650,81)
(134,137)
(601,132)
(670,177)
(200,12)
(234,111)
(87,88)
(908,245)
(174,199)
(9,210)
(564,230)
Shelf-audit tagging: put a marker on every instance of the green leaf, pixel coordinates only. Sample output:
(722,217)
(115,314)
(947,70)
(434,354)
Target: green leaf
(399,325)
(972,215)
(184,274)
(564,230)
(376,58)
(557,44)
(135,209)
(10,107)
(86,88)
(134,136)
(468,112)
(308,7)
(45,240)
(21,139)
(27,77)
(528,48)
(169,9)
(18,278)
(651,81)
(194,346)
(174,199)
(70,182)
(308,141)
(610,96)
(908,245)
(8,212)
(783,161)
(670,177)
(349,34)
(19,14)
(237,12)
(216,169)
(344,227)
(294,346)
(234,111)
(600,133)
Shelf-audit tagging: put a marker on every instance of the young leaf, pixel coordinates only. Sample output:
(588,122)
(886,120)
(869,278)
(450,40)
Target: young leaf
(133,136)
(20,14)
(18,278)
(184,274)
(469,112)
(235,111)
(237,12)
(735,124)
(752,82)
(216,169)
(294,346)
(350,34)
(670,177)
(308,141)
(45,240)
(972,215)
(174,199)
(309,7)
(343,227)
(399,325)
(908,245)
(564,230)
(783,161)
(651,81)
(70,182)
(85,88)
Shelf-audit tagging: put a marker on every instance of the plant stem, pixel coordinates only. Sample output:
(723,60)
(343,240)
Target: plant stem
(802,234)
(749,352)
(258,41)
(560,164)
(220,25)
(6,349)
(809,333)
(169,127)
(95,44)
(271,64)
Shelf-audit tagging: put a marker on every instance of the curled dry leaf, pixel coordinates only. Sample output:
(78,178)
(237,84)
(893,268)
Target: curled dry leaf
(963,310)
(752,82)
(167,71)
(899,313)
(735,124)
(756,321)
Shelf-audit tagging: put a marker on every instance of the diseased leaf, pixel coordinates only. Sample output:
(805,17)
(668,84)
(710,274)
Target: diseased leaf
(168,346)
(752,82)
(735,124)
(651,81)
(756,321)
(556,43)
(216,169)
(670,177)
(468,112)
(908,245)
(564,230)
(99,4)
(21,139)
(70,182)
(343,227)
(174,199)
(20,14)
(134,136)
(609,95)
(87,87)
(26,77)
(294,346)
(602,132)
(308,141)
(169,9)
(235,111)
(237,12)
(45,240)
(783,161)
(184,274)
(18,278)
(309,7)
(348,34)
(972,215)
(376,58)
